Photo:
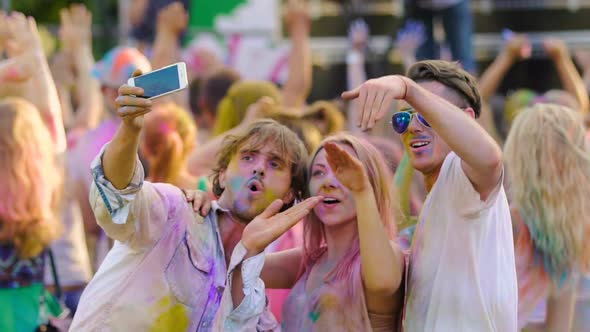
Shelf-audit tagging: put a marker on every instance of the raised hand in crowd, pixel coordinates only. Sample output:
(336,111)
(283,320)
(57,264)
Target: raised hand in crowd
(171,23)
(358,35)
(26,53)
(298,85)
(76,29)
(571,79)
(517,47)
(76,37)
(409,38)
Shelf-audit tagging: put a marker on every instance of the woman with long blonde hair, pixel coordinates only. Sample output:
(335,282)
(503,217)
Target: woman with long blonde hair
(169,137)
(30,187)
(548,164)
(348,275)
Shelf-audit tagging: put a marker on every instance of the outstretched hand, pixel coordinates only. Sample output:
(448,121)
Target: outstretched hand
(172,18)
(271,224)
(75,28)
(24,36)
(131,106)
(555,48)
(376,97)
(347,169)
(519,47)
(297,14)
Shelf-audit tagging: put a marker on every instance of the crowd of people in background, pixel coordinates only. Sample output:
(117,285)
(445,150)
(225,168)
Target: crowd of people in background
(416,201)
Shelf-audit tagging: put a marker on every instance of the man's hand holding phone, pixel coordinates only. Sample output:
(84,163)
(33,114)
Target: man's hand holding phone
(132,105)
(161,82)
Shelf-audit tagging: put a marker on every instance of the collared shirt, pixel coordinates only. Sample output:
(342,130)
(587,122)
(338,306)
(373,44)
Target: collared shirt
(167,269)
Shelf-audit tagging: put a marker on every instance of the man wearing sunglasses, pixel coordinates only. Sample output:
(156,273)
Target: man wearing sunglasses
(462,270)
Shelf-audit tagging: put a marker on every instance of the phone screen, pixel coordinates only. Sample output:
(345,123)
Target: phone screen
(158,82)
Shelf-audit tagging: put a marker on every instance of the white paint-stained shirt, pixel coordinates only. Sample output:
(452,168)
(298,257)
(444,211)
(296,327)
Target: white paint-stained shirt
(462,267)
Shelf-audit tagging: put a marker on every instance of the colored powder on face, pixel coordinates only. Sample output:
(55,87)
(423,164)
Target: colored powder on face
(173,318)
(270,196)
(235,184)
(11,74)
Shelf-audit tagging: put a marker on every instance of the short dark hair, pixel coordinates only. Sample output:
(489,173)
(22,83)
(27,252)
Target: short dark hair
(451,75)
(258,134)
(215,87)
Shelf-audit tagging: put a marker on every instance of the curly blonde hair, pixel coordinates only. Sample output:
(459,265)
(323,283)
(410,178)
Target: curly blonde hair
(30,179)
(548,165)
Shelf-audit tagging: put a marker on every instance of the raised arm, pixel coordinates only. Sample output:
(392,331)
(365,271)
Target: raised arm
(76,37)
(481,155)
(517,48)
(382,263)
(119,156)
(409,38)
(355,66)
(568,74)
(172,21)
(298,85)
(40,89)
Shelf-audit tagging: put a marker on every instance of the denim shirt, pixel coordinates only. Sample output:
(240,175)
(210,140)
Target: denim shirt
(167,269)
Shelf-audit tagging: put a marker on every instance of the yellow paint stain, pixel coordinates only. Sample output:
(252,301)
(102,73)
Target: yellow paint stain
(173,318)
(329,302)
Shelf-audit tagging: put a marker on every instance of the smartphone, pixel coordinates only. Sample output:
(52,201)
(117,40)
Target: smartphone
(538,49)
(161,82)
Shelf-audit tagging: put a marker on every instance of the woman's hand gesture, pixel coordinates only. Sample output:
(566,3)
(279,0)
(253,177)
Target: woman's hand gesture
(271,224)
(347,168)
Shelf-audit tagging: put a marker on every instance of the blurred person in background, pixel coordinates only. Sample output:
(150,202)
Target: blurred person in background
(205,95)
(169,136)
(548,164)
(293,94)
(457,22)
(32,141)
(70,250)
(31,180)
(519,48)
(72,72)
(142,15)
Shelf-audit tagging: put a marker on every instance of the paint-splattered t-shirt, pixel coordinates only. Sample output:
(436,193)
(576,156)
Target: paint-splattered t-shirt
(167,269)
(462,266)
(337,305)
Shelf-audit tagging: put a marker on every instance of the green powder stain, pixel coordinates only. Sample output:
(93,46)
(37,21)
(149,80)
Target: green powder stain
(174,317)
(314,316)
